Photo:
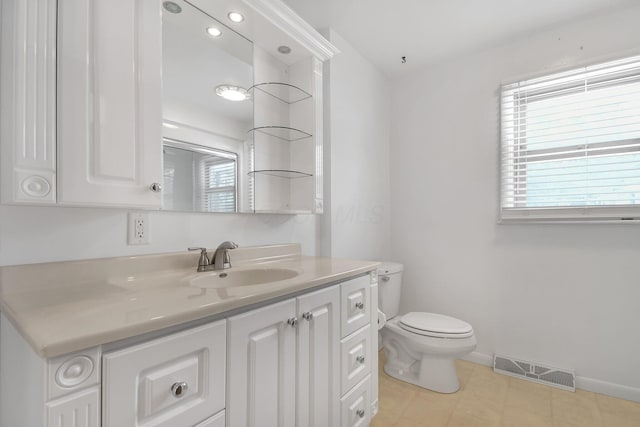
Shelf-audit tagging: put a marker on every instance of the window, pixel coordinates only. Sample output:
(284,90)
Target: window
(571,145)
(218,178)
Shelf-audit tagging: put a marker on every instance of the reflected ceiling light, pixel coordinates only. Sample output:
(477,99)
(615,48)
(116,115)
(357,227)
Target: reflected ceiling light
(169,125)
(214,31)
(232,93)
(235,17)
(171,7)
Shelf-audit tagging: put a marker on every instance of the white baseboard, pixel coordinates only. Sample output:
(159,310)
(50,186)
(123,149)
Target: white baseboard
(610,389)
(584,383)
(479,358)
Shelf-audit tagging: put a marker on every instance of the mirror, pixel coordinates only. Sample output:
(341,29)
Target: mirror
(206,145)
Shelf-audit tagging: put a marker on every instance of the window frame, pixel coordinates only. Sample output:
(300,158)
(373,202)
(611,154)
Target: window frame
(518,151)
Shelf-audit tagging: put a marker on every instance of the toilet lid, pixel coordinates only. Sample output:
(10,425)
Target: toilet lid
(435,325)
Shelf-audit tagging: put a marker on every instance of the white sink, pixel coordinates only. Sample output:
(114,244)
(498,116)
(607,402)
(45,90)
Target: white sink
(230,278)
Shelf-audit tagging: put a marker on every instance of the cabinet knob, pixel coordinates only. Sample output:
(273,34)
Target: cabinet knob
(307,316)
(156,187)
(360,413)
(179,389)
(360,359)
(293,321)
(385,278)
(359,305)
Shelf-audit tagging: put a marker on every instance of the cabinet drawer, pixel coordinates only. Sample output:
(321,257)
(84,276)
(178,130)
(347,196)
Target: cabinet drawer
(173,381)
(355,304)
(355,357)
(355,406)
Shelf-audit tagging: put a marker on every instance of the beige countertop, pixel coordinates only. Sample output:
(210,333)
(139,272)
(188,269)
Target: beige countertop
(68,306)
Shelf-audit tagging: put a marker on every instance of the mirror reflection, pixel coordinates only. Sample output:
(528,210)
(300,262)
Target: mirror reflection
(207,70)
(198,178)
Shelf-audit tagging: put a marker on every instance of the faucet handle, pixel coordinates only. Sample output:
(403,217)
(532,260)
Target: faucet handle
(204,259)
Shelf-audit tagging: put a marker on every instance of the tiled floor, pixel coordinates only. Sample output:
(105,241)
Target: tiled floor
(489,399)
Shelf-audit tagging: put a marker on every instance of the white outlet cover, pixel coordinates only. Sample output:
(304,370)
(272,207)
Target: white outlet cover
(138,228)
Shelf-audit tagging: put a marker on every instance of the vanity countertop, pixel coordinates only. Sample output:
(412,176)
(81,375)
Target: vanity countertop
(67,306)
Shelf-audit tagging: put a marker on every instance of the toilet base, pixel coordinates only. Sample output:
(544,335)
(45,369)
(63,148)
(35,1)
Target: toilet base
(440,374)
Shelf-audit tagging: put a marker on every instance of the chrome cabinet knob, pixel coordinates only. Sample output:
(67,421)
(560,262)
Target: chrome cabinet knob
(385,278)
(360,359)
(307,316)
(179,389)
(292,321)
(359,305)
(156,187)
(360,413)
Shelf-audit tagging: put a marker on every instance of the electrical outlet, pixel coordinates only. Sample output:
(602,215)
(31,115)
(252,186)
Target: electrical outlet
(138,228)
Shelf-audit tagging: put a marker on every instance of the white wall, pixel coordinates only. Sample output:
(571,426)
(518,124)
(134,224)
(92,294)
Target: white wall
(359,155)
(566,295)
(40,234)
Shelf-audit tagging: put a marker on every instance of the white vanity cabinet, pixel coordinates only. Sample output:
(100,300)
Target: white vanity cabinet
(292,363)
(305,361)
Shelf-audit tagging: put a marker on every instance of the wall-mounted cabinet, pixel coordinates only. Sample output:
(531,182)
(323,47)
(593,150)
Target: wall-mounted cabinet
(88,86)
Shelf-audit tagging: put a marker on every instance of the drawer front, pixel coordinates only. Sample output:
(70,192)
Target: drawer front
(174,381)
(356,358)
(72,372)
(217,420)
(355,304)
(356,407)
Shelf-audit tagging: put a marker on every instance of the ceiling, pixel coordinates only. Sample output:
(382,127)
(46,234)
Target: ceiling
(426,31)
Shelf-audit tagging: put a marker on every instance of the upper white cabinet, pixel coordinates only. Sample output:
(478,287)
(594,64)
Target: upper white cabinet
(83,105)
(28,102)
(109,102)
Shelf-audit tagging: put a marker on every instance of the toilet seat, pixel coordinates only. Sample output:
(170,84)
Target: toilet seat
(435,325)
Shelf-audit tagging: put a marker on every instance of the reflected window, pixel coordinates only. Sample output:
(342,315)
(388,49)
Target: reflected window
(199,178)
(218,184)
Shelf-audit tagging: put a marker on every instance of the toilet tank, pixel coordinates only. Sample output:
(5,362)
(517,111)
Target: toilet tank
(389,287)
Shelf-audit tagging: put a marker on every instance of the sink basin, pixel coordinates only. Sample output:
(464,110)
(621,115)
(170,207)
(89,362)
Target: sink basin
(230,278)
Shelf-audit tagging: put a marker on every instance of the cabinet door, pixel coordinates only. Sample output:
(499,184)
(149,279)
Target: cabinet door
(261,368)
(318,358)
(80,409)
(109,102)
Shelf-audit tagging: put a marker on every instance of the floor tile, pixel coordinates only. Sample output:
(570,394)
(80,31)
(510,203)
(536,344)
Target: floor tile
(487,399)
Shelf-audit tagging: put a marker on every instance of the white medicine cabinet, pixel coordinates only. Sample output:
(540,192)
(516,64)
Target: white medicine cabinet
(97,97)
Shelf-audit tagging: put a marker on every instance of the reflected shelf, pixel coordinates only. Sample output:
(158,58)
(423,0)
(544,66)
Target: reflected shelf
(289,94)
(283,132)
(281,173)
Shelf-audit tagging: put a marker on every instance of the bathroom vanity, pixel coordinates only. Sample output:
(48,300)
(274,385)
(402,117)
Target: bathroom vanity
(148,341)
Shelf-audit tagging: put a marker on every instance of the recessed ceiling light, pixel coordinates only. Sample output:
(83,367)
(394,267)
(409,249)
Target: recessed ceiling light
(214,31)
(235,17)
(232,93)
(284,49)
(169,125)
(171,7)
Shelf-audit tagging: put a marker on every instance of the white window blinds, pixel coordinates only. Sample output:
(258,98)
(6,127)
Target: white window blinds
(571,145)
(218,184)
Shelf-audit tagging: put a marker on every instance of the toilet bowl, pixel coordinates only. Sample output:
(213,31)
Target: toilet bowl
(420,347)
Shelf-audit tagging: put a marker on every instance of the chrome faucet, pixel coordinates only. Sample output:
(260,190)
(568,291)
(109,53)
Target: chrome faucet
(220,259)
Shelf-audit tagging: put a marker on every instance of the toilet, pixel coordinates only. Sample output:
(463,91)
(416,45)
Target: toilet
(420,347)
